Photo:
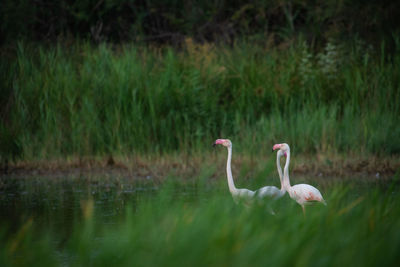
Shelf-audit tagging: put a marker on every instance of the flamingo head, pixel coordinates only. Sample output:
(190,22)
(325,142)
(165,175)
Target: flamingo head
(283,148)
(224,142)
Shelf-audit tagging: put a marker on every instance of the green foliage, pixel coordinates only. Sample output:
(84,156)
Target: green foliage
(161,21)
(359,227)
(86,100)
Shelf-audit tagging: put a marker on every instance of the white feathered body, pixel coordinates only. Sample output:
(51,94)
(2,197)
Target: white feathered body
(269,192)
(243,195)
(305,194)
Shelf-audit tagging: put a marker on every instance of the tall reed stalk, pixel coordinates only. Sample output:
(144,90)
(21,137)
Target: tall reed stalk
(87,100)
(358,227)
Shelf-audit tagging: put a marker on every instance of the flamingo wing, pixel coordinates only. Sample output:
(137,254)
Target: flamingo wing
(245,193)
(269,192)
(304,193)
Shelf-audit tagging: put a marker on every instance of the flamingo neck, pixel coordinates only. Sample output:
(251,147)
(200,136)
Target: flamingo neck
(231,184)
(278,165)
(286,181)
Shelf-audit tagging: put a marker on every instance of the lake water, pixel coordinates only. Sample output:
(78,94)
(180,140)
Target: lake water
(59,202)
(59,206)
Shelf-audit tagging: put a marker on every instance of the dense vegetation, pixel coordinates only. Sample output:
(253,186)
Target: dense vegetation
(120,77)
(86,100)
(194,224)
(171,21)
(136,79)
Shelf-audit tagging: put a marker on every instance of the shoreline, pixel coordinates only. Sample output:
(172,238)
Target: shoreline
(157,167)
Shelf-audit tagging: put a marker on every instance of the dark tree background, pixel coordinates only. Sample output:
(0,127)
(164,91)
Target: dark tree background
(169,21)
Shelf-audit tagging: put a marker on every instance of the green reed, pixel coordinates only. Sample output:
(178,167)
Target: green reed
(86,100)
(359,227)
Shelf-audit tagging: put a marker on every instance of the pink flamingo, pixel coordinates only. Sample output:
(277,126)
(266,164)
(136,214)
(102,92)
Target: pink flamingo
(301,193)
(272,191)
(243,193)
(237,193)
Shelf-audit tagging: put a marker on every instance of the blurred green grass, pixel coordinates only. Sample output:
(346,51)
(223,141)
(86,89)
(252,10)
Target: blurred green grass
(358,227)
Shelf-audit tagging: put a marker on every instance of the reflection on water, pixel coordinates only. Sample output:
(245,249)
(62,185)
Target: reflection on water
(58,203)
(84,220)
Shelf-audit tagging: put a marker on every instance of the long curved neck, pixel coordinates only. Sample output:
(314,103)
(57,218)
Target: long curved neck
(278,166)
(286,181)
(231,184)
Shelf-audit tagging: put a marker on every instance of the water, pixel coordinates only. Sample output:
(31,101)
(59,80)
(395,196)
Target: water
(58,203)
(54,211)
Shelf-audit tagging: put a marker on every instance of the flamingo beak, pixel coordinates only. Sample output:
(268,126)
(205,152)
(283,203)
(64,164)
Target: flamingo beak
(218,142)
(275,147)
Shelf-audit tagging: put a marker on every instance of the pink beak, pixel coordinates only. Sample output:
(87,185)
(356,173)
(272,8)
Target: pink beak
(276,146)
(219,142)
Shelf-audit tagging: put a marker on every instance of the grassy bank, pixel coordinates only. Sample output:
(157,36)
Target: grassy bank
(245,166)
(359,227)
(82,100)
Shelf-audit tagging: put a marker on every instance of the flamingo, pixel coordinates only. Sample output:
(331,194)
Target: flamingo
(243,193)
(272,191)
(237,193)
(302,193)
